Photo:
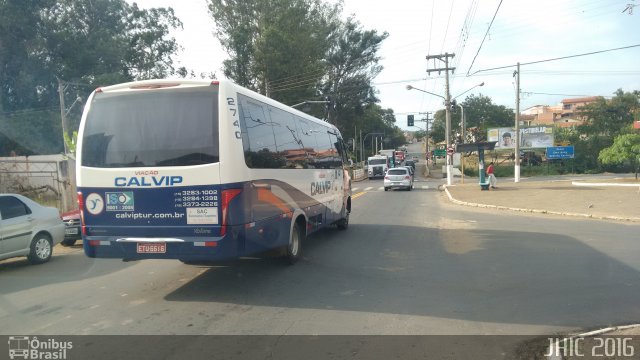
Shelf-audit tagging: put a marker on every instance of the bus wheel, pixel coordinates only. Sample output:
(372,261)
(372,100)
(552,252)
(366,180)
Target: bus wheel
(343,223)
(294,248)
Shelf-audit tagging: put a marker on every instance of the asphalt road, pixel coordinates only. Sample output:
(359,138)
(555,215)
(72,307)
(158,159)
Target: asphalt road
(410,263)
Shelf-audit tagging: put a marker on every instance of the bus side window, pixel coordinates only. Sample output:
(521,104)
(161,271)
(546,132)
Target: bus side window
(258,139)
(308,139)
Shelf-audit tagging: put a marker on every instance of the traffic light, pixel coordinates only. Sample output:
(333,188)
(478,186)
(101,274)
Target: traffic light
(410,120)
(454,106)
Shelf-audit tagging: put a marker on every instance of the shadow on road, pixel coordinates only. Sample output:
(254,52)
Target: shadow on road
(67,264)
(488,276)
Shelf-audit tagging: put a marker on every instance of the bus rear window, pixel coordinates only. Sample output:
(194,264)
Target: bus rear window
(177,127)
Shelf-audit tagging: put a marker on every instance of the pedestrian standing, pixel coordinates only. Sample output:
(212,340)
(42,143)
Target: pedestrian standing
(491,176)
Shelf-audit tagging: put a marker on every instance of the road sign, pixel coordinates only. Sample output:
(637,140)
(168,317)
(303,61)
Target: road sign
(439,152)
(450,151)
(560,152)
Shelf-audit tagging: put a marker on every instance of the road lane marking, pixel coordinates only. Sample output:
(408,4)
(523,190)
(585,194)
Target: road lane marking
(355,189)
(425,186)
(381,188)
(355,196)
(368,188)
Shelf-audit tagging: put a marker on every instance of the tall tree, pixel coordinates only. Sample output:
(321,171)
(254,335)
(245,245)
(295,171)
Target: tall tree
(83,41)
(276,47)
(352,64)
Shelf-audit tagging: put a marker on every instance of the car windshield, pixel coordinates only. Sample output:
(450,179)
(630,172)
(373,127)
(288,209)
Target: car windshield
(334,170)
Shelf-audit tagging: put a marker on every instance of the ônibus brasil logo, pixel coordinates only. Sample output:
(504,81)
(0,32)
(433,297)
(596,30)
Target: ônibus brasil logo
(31,348)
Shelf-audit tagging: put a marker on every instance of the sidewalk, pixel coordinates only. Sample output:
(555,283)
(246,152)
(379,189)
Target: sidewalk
(559,197)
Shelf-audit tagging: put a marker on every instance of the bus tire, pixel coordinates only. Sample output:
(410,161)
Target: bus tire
(343,224)
(293,250)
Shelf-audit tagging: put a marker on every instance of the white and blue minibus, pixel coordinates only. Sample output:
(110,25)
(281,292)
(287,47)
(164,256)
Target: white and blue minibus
(204,171)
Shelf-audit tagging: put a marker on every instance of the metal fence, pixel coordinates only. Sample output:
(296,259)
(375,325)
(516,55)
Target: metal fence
(49,180)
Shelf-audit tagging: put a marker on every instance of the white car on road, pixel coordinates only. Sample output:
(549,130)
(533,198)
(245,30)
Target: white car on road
(399,177)
(28,229)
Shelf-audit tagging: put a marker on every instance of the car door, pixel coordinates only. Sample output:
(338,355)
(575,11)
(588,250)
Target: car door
(16,221)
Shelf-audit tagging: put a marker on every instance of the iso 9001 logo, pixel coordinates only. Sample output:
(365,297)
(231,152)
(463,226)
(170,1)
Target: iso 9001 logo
(32,348)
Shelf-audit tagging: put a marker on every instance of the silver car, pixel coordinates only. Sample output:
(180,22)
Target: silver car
(399,177)
(28,229)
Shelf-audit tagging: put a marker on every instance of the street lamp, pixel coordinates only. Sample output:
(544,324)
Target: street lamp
(469,89)
(409,87)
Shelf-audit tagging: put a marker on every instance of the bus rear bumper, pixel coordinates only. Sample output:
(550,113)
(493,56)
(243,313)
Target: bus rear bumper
(183,248)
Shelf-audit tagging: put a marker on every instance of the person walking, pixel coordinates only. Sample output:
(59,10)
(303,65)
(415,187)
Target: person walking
(491,176)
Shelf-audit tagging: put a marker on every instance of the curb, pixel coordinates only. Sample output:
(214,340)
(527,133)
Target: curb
(537,211)
(587,334)
(577,183)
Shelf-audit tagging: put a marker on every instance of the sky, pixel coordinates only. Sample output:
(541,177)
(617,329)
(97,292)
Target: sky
(522,31)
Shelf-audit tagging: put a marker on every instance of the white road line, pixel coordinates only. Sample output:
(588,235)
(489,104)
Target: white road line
(381,188)
(425,186)
(355,189)
(369,188)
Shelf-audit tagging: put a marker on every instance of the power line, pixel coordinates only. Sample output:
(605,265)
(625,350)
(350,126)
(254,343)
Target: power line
(447,28)
(433,3)
(485,36)
(558,58)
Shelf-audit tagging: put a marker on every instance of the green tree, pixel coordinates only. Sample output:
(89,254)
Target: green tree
(276,47)
(89,43)
(352,64)
(480,112)
(609,118)
(299,50)
(625,150)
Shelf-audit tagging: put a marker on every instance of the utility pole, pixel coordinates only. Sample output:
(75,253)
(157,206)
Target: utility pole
(426,121)
(63,114)
(516,170)
(447,103)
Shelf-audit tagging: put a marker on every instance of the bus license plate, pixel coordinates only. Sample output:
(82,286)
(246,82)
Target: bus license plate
(152,248)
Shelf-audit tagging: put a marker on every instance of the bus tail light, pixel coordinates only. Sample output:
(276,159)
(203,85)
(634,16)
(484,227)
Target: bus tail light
(81,208)
(80,201)
(227,196)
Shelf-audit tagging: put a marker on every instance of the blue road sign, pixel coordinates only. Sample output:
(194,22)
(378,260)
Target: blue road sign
(560,152)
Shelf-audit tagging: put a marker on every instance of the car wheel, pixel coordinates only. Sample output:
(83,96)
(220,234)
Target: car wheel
(386,189)
(41,249)
(68,242)
(293,250)
(343,223)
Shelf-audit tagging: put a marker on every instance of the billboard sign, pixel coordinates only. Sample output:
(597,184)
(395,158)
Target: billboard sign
(530,137)
(560,152)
